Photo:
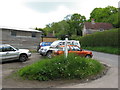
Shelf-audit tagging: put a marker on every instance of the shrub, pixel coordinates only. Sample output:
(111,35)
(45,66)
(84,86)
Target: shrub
(106,38)
(73,67)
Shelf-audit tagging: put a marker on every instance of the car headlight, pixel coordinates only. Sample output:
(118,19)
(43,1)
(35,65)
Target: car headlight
(41,49)
(29,51)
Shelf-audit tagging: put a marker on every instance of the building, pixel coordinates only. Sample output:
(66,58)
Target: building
(20,38)
(91,27)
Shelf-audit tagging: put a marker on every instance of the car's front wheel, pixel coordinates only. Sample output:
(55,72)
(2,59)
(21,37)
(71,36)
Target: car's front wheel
(88,56)
(49,54)
(23,57)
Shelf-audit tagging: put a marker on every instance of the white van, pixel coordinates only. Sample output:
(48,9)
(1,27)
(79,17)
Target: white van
(62,42)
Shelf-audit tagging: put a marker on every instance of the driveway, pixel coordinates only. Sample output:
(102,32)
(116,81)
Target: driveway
(9,67)
(15,65)
(110,80)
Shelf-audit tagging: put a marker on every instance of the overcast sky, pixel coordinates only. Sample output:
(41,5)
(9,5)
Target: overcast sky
(38,13)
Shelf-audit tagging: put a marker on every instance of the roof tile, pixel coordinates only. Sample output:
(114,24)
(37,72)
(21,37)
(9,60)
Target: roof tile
(97,26)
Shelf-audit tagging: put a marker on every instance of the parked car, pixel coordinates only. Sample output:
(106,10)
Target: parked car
(42,44)
(71,49)
(45,51)
(8,52)
(74,49)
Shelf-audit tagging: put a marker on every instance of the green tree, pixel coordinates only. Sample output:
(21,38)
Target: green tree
(71,25)
(61,29)
(40,29)
(108,14)
(75,22)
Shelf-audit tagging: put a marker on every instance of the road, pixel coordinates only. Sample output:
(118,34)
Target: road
(0,77)
(110,80)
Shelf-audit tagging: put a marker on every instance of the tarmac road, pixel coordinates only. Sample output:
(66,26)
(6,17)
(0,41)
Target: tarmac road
(0,77)
(110,80)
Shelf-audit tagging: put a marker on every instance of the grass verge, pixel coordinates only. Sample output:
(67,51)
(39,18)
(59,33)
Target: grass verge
(73,67)
(110,50)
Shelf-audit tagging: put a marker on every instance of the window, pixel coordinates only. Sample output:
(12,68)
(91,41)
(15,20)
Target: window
(33,34)
(13,33)
(68,48)
(74,48)
(8,48)
(61,43)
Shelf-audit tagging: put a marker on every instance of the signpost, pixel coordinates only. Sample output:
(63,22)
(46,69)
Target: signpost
(66,49)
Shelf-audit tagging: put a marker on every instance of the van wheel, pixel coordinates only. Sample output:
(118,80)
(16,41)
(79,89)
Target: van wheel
(23,58)
(88,56)
(49,54)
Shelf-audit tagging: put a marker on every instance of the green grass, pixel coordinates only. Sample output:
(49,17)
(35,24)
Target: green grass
(74,67)
(110,50)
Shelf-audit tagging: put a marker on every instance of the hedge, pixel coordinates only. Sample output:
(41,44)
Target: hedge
(106,38)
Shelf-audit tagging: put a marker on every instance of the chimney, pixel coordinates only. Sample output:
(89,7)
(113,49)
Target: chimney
(92,21)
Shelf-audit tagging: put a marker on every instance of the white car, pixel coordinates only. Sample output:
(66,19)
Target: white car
(46,51)
(8,52)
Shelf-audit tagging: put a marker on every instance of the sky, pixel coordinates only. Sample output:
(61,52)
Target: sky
(39,13)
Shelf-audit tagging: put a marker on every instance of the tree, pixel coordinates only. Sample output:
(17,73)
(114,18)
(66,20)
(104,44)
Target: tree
(61,28)
(76,23)
(71,25)
(108,14)
(40,29)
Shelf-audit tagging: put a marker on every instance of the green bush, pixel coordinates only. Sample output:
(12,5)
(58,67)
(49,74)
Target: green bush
(73,67)
(106,38)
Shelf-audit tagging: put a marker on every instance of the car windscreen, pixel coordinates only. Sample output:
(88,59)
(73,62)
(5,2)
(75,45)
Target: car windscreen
(54,43)
(46,43)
